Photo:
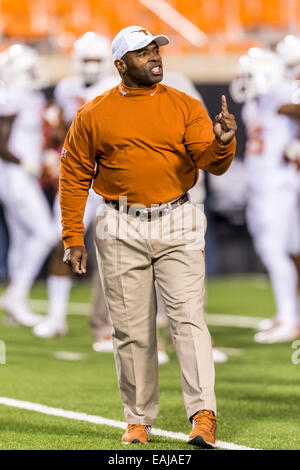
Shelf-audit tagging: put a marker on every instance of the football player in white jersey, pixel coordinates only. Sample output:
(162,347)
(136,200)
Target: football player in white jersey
(28,216)
(92,66)
(273,183)
(289,49)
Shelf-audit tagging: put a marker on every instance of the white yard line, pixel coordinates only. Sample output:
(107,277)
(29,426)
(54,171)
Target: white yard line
(69,356)
(219,319)
(238,321)
(232,351)
(48,410)
(76,308)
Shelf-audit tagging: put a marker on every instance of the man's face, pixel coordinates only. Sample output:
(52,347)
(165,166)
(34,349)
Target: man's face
(143,67)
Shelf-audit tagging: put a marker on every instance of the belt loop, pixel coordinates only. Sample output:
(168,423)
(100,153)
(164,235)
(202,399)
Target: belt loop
(123,204)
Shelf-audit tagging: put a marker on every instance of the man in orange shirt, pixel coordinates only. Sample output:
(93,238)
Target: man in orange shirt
(141,144)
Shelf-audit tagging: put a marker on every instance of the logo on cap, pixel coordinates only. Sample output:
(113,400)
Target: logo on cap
(141,31)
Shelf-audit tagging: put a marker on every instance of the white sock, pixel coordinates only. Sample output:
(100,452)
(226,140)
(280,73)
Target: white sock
(31,261)
(284,279)
(58,296)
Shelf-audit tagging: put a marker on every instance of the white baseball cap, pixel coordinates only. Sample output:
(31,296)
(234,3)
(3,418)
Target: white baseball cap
(133,38)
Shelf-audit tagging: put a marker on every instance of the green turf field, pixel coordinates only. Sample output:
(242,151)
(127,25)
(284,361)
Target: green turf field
(257,389)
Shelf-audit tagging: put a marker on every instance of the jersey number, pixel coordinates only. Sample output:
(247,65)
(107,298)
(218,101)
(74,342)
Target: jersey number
(255,143)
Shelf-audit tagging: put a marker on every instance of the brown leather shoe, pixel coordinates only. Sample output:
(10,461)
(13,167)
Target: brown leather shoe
(204,429)
(136,434)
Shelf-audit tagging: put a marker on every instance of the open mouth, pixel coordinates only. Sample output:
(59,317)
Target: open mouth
(157,70)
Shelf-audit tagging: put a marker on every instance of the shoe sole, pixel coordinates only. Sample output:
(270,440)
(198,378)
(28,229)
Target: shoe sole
(200,442)
(135,441)
(11,320)
(278,341)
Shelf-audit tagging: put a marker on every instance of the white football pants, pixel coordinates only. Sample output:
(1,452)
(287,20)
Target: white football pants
(30,226)
(274,223)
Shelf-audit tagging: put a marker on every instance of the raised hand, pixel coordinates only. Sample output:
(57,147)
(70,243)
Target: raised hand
(224,124)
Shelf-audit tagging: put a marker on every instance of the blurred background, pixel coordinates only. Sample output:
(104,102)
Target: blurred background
(207,38)
(54,56)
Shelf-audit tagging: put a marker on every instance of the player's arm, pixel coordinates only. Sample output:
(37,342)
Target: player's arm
(212,147)
(290,110)
(76,175)
(55,119)
(292,152)
(6,123)
(59,131)
(62,124)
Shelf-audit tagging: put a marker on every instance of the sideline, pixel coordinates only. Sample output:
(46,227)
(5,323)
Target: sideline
(27,405)
(218,319)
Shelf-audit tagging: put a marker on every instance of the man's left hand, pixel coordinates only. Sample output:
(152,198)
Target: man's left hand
(224,124)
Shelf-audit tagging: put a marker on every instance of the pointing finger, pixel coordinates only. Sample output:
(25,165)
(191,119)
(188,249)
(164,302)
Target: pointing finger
(224,104)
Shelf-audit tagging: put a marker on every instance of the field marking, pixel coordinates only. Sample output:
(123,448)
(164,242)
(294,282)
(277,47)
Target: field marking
(69,356)
(217,319)
(232,351)
(220,319)
(59,412)
(76,308)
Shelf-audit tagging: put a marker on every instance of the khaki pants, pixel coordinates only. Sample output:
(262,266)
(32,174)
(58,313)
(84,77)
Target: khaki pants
(100,322)
(132,254)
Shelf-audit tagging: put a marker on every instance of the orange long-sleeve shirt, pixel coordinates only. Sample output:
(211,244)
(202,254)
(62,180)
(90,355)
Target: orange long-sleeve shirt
(146,144)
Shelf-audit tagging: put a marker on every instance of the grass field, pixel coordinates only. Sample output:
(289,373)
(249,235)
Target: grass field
(257,389)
